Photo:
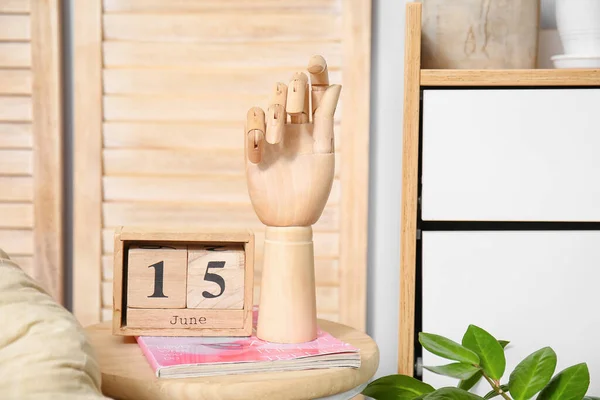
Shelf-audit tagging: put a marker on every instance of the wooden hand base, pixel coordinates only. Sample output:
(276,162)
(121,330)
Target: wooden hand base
(287,309)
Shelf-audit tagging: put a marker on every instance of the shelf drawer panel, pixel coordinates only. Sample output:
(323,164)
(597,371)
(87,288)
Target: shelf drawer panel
(511,155)
(534,288)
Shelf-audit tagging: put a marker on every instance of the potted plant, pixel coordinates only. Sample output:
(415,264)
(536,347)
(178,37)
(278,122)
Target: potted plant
(481,356)
(578,24)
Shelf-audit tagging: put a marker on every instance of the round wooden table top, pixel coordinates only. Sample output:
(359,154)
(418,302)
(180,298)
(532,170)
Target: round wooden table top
(126,374)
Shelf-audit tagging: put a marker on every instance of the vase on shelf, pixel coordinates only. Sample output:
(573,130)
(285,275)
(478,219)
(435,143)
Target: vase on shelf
(480,34)
(578,24)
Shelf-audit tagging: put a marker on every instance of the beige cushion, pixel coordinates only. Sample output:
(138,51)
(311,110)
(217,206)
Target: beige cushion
(44,353)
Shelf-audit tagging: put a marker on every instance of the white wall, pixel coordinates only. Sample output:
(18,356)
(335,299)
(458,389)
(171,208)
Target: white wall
(386,160)
(387,91)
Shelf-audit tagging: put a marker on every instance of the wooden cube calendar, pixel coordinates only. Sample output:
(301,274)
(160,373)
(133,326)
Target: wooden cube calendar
(183,283)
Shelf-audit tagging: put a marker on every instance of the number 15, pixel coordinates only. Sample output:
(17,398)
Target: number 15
(159,270)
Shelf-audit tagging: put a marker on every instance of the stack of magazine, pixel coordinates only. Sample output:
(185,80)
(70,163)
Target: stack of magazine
(184,357)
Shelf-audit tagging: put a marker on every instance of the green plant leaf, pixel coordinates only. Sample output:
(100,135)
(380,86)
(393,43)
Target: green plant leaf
(467,384)
(570,384)
(492,393)
(489,350)
(396,387)
(532,374)
(455,370)
(444,347)
(451,393)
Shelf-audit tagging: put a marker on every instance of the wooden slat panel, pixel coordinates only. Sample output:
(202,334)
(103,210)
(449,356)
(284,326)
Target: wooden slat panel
(106,314)
(16,241)
(16,162)
(48,135)
(178,163)
(15,55)
(15,27)
(326,244)
(221,27)
(355,164)
(192,55)
(108,237)
(176,189)
(87,176)
(334,317)
(107,291)
(168,81)
(328,299)
(14,6)
(331,6)
(171,96)
(16,215)
(189,108)
(107,267)
(164,162)
(161,108)
(15,81)
(15,135)
(15,108)
(173,135)
(25,262)
(209,216)
(182,189)
(327,272)
(20,188)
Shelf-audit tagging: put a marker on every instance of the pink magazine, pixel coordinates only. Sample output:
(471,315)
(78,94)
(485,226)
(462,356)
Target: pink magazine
(205,356)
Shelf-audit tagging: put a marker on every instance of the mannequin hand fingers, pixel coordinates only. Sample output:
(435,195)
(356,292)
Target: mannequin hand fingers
(276,115)
(329,102)
(323,132)
(296,96)
(255,134)
(317,66)
(319,79)
(305,116)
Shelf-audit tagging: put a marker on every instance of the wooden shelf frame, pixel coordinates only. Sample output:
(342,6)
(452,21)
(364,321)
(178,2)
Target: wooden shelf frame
(410,188)
(511,77)
(415,80)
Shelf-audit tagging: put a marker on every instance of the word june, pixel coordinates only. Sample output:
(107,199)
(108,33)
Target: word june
(176,319)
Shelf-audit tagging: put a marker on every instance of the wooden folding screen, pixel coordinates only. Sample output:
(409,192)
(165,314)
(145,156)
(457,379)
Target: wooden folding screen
(162,89)
(31,139)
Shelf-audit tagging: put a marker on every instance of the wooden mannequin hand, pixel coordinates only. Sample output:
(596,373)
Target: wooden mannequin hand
(290,164)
